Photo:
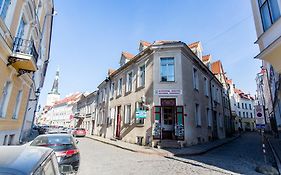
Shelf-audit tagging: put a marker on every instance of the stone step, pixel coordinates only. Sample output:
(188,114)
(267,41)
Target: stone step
(169,144)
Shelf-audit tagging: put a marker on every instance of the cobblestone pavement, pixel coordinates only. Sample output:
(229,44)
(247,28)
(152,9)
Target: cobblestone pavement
(100,158)
(241,156)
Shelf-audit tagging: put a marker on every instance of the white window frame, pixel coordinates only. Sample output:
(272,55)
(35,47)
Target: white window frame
(206,85)
(195,78)
(119,89)
(112,86)
(167,65)
(4,102)
(141,83)
(18,104)
(128,115)
(198,115)
(127,82)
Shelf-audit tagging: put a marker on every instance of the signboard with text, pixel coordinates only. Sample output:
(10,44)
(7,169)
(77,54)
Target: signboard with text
(168,92)
(259,115)
(140,114)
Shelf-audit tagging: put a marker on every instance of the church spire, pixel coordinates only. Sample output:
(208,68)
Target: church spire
(55,88)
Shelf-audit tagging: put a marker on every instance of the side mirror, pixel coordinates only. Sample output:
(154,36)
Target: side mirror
(77,141)
(66,169)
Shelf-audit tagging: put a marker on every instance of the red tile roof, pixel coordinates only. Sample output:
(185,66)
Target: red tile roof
(145,43)
(71,98)
(242,94)
(206,58)
(192,45)
(229,81)
(216,67)
(128,55)
(165,41)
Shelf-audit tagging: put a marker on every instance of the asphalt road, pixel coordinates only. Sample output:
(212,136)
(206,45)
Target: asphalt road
(102,159)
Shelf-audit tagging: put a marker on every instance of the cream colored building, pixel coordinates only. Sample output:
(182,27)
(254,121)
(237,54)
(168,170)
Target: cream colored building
(166,94)
(267,19)
(25,30)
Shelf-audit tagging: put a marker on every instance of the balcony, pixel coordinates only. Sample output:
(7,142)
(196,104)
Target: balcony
(24,56)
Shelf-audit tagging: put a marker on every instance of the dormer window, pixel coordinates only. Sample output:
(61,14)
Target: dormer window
(125,57)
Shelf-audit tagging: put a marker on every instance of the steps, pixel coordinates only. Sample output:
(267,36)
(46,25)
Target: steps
(169,144)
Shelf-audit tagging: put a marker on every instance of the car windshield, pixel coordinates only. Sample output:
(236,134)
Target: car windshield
(82,129)
(57,143)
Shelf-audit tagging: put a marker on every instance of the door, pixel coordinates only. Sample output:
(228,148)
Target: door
(215,131)
(168,120)
(118,122)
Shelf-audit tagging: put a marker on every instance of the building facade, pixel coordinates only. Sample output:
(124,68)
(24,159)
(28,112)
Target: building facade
(267,20)
(86,112)
(24,48)
(164,93)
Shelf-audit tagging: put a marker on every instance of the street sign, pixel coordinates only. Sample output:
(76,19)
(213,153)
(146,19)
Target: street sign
(260,121)
(140,114)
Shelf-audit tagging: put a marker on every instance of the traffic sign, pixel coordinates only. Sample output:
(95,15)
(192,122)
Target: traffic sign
(259,115)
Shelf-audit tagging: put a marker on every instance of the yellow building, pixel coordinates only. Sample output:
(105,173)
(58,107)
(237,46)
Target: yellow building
(25,30)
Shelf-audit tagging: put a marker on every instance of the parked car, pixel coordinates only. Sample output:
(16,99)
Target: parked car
(29,160)
(64,146)
(81,132)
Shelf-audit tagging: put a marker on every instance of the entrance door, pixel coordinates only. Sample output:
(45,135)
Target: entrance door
(168,119)
(118,122)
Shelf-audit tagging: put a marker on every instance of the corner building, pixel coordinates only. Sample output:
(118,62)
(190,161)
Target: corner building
(163,95)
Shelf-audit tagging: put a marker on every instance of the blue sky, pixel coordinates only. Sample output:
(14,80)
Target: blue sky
(89,36)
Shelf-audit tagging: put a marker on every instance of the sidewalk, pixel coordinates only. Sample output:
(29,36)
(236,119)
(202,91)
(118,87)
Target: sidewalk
(275,145)
(169,152)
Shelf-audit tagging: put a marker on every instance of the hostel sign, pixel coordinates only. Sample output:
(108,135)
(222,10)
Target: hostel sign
(168,92)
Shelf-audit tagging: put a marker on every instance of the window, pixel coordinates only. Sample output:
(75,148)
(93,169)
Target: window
(197,115)
(251,115)
(250,107)
(128,114)
(245,105)
(220,121)
(206,85)
(244,114)
(209,117)
(112,90)
(119,92)
(242,105)
(167,69)
(195,79)
(5,140)
(139,106)
(270,12)
(129,82)
(17,106)
(141,78)
(247,115)
(4,5)
(239,114)
(104,94)
(238,104)
(20,32)
(5,98)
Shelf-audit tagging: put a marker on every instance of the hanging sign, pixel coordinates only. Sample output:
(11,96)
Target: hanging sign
(140,114)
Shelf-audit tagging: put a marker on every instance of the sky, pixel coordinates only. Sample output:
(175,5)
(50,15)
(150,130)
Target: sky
(89,36)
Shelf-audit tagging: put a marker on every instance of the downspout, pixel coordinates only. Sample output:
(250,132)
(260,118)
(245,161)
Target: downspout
(211,95)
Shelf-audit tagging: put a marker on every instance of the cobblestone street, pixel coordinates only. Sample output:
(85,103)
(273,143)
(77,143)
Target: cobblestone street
(241,157)
(99,158)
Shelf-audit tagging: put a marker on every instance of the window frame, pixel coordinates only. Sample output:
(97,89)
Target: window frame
(119,86)
(17,105)
(198,118)
(262,5)
(166,66)
(127,81)
(141,83)
(195,78)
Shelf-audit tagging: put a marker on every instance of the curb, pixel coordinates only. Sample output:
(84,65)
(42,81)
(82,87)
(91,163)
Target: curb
(275,156)
(166,155)
(208,149)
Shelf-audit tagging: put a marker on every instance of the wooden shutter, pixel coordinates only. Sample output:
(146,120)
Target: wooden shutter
(156,128)
(179,125)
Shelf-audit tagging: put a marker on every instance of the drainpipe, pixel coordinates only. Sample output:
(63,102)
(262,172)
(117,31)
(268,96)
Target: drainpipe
(211,95)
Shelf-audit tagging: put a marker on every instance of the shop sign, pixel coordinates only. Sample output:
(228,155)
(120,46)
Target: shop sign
(168,92)
(140,114)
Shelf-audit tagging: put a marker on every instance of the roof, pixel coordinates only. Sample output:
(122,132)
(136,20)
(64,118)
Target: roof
(110,71)
(22,159)
(71,98)
(242,94)
(145,43)
(206,58)
(158,42)
(216,67)
(195,44)
(128,55)
(229,81)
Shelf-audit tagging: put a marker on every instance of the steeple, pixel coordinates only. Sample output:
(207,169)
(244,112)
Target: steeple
(55,88)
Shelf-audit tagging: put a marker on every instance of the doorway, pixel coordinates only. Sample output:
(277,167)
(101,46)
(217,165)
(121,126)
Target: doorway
(168,111)
(118,122)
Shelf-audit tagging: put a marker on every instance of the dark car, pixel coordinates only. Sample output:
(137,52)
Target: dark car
(29,160)
(81,132)
(64,146)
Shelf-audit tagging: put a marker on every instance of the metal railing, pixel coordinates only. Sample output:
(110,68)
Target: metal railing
(25,47)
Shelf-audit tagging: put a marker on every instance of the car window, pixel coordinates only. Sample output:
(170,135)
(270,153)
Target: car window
(40,141)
